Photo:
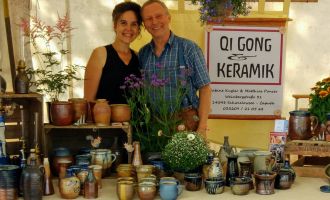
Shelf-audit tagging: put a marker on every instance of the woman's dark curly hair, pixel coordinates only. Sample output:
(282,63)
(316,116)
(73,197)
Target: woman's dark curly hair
(127,6)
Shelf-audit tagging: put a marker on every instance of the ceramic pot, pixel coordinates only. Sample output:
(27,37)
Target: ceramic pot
(79,108)
(285,176)
(9,184)
(61,113)
(265,181)
(125,190)
(144,171)
(168,190)
(120,112)
(193,181)
(146,190)
(125,170)
(240,185)
(60,154)
(214,185)
(83,159)
(247,171)
(102,113)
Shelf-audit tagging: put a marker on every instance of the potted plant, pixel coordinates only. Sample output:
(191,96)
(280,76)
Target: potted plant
(186,151)
(219,9)
(319,104)
(51,73)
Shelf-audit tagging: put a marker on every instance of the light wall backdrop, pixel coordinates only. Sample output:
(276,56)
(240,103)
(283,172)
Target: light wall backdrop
(307,52)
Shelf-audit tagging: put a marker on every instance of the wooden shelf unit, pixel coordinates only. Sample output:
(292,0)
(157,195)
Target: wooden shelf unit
(73,136)
(32,103)
(313,156)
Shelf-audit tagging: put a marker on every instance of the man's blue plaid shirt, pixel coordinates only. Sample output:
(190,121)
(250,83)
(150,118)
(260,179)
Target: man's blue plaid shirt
(168,65)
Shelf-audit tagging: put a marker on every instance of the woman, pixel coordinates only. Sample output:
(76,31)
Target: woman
(109,65)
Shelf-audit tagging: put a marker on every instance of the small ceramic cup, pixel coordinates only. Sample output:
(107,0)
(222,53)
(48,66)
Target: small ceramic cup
(214,185)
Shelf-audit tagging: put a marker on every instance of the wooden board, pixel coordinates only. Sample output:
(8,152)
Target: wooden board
(310,166)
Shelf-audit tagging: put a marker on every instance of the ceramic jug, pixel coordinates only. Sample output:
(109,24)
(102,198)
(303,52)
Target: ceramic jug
(301,124)
(69,186)
(103,157)
(32,180)
(263,161)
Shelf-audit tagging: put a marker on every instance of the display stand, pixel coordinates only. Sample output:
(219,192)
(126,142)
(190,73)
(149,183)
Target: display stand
(313,156)
(74,136)
(31,103)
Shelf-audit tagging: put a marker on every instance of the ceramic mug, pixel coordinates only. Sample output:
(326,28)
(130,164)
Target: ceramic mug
(168,190)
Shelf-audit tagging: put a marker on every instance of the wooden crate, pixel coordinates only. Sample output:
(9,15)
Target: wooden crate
(31,104)
(311,166)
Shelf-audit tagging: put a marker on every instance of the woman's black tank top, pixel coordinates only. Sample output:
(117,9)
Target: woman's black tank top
(113,76)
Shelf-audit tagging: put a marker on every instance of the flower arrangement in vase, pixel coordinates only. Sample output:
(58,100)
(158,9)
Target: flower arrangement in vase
(319,104)
(51,74)
(219,9)
(186,151)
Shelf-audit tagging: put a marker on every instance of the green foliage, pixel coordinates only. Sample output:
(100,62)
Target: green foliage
(52,76)
(154,117)
(220,9)
(185,151)
(320,100)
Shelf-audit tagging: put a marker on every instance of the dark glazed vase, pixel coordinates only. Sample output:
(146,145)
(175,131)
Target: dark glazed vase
(21,80)
(32,177)
(232,168)
(61,113)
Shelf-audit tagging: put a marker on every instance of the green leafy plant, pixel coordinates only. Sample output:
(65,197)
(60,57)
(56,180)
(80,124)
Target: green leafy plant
(186,151)
(320,99)
(154,117)
(51,75)
(219,9)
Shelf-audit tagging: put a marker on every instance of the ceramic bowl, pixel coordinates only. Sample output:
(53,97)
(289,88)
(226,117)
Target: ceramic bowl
(240,185)
(120,112)
(325,188)
(214,185)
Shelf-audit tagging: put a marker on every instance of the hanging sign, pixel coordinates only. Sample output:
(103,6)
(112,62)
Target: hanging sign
(246,67)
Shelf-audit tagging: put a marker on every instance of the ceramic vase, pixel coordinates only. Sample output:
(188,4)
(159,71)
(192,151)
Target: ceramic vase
(32,178)
(79,108)
(102,113)
(137,158)
(215,170)
(69,186)
(90,186)
(232,168)
(265,181)
(48,183)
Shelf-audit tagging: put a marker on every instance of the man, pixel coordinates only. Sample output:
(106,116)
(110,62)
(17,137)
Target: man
(166,49)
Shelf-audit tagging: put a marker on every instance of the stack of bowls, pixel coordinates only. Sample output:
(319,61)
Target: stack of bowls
(9,176)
